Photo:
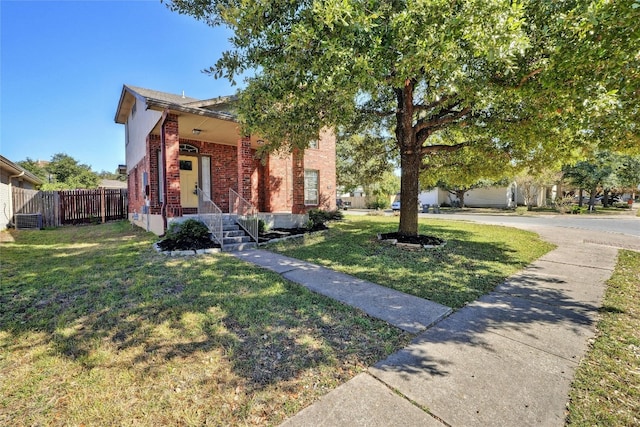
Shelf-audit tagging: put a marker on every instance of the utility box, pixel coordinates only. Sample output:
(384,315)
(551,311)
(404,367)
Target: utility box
(28,221)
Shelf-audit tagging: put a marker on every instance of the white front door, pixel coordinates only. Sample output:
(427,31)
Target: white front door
(188,181)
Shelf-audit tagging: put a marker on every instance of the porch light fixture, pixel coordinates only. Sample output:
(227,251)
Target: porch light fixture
(196,131)
(260,142)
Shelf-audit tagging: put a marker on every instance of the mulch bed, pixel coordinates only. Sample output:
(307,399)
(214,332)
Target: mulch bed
(279,233)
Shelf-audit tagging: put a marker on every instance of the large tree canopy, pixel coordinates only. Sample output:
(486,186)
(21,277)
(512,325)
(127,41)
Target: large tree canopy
(422,67)
(67,173)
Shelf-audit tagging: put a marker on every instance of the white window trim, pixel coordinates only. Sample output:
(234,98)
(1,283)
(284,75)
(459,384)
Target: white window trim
(316,189)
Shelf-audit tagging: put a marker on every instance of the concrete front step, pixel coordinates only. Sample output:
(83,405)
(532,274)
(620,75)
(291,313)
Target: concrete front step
(237,247)
(234,238)
(239,239)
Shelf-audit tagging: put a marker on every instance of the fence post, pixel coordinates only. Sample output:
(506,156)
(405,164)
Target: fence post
(102,203)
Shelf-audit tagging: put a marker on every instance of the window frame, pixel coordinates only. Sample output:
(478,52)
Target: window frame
(307,189)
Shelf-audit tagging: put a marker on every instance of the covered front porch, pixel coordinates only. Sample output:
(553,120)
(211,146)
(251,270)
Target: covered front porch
(181,151)
(199,164)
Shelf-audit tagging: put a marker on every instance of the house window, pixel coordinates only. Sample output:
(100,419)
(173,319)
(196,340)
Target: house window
(313,144)
(188,148)
(311,187)
(133,109)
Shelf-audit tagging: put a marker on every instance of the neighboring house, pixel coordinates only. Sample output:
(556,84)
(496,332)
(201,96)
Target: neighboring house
(489,197)
(176,145)
(12,175)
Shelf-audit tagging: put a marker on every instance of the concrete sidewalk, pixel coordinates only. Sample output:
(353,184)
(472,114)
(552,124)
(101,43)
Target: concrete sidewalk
(406,312)
(506,359)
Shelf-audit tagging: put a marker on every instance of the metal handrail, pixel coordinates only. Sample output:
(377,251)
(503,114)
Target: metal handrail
(211,215)
(246,212)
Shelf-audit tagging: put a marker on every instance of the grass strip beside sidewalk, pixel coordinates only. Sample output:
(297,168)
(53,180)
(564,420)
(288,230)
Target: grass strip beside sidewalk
(475,259)
(606,388)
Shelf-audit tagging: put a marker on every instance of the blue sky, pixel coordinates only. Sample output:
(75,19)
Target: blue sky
(63,64)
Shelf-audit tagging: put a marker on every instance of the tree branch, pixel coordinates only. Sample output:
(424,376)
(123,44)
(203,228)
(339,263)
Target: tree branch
(444,118)
(528,76)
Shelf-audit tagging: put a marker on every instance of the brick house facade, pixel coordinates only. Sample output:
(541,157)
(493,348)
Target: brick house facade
(175,144)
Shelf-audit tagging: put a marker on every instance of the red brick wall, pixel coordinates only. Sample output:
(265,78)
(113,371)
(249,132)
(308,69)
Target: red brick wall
(279,178)
(245,168)
(278,184)
(154,155)
(323,159)
(172,166)
(297,173)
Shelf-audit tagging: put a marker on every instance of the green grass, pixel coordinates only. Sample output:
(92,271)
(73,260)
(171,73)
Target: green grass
(475,259)
(606,388)
(96,328)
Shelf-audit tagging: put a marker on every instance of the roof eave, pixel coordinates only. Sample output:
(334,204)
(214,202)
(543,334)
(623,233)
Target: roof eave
(8,164)
(156,104)
(121,115)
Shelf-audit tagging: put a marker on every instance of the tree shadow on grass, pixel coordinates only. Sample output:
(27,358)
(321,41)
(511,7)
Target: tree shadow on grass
(122,297)
(453,274)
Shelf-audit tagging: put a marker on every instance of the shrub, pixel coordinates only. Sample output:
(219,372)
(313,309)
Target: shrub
(579,210)
(318,218)
(563,204)
(190,234)
(379,203)
(521,210)
(262,226)
(622,205)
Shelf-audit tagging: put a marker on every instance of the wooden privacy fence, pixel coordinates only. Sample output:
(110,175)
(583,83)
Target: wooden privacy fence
(72,206)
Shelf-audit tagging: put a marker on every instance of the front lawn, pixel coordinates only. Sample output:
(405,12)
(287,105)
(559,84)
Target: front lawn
(474,260)
(96,328)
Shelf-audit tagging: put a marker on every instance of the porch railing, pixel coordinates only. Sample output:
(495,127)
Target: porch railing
(246,212)
(211,215)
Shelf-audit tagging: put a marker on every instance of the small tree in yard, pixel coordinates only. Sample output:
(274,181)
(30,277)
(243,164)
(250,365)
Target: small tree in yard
(629,174)
(422,67)
(528,186)
(589,176)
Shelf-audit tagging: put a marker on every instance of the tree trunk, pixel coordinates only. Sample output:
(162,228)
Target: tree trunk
(410,160)
(605,198)
(580,198)
(460,196)
(592,197)
(410,164)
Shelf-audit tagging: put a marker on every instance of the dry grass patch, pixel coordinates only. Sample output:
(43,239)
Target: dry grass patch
(96,328)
